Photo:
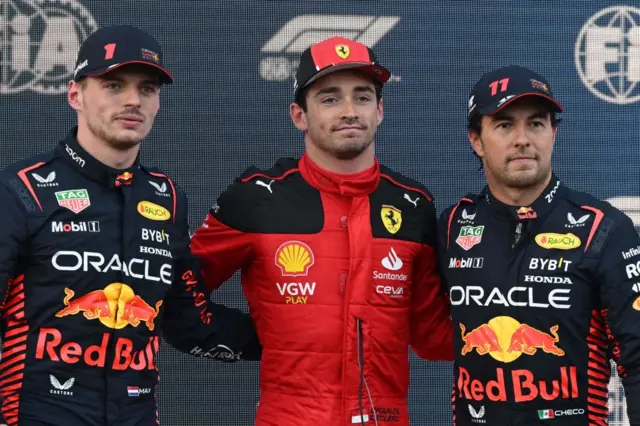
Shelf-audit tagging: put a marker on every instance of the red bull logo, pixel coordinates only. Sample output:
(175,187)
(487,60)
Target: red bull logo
(115,307)
(136,310)
(525,213)
(483,339)
(505,340)
(92,305)
(124,179)
(528,340)
(51,346)
(525,386)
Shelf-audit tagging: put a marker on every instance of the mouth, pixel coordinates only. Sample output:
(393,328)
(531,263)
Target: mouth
(346,128)
(130,119)
(521,158)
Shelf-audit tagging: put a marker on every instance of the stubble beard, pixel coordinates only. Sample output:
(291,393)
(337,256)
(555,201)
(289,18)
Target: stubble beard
(102,133)
(348,150)
(525,179)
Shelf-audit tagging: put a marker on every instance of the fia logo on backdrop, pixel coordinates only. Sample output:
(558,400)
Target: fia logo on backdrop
(607,54)
(39,40)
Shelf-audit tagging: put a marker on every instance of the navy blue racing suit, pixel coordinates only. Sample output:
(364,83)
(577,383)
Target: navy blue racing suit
(94,264)
(542,297)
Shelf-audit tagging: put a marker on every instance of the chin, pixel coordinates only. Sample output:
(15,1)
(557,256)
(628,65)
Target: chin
(126,140)
(349,148)
(523,179)
(348,154)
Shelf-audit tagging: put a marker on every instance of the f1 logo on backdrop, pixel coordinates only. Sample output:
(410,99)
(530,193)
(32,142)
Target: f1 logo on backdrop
(607,54)
(39,40)
(285,46)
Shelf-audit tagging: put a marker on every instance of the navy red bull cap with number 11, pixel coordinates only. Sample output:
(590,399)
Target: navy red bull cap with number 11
(335,54)
(500,87)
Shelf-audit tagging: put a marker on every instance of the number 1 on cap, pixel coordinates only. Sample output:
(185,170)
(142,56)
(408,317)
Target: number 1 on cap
(110,49)
(504,83)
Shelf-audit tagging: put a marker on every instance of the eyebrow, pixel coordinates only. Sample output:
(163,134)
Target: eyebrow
(122,80)
(537,114)
(335,89)
(327,90)
(364,89)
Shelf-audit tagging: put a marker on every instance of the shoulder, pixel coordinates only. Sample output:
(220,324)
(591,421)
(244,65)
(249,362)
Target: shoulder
(27,165)
(163,183)
(400,182)
(405,202)
(459,207)
(20,177)
(257,187)
(607,218)
(276,200)
(162,190)
(589,202)
(408,192)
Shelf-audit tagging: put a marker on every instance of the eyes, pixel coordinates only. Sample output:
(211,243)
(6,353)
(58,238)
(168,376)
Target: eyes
(116,86)
(506,125)
(359,99)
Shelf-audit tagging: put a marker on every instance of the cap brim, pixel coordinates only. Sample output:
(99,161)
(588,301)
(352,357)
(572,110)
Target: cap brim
(495,108)
(165,76)
(379,73)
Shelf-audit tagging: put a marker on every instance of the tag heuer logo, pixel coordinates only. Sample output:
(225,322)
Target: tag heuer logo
(75,200)
(469,236)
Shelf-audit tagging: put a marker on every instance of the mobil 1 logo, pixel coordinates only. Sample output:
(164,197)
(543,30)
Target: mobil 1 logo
(89,226)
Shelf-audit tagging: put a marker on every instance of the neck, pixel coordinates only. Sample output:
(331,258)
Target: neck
(517,196)
(329,162)
(105,153)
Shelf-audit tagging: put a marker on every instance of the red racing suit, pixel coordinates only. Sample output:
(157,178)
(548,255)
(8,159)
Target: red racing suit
(340,274)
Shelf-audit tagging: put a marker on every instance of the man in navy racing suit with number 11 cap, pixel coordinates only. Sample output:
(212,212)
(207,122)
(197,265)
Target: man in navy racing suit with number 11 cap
(543,280)
(95,258)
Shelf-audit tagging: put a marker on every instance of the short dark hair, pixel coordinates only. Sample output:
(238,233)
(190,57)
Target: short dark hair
(302,96)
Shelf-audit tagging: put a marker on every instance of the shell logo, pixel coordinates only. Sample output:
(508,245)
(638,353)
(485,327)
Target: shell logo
(294,258)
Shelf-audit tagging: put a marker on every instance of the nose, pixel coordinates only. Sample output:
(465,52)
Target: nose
(522,137)
(348,110)
(132,96)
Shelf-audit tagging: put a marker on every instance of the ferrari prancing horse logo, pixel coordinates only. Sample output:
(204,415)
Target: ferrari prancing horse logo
(343,51)
(391,218)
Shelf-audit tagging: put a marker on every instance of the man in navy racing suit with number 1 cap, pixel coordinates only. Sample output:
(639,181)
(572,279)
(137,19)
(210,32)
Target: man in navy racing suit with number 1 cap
(543,280)
(95,258)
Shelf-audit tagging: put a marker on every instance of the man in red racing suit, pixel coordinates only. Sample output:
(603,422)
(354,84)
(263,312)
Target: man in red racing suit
(337,255)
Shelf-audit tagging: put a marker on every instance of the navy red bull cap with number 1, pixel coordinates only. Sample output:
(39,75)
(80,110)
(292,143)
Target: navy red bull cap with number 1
(112,47)
(335,54)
